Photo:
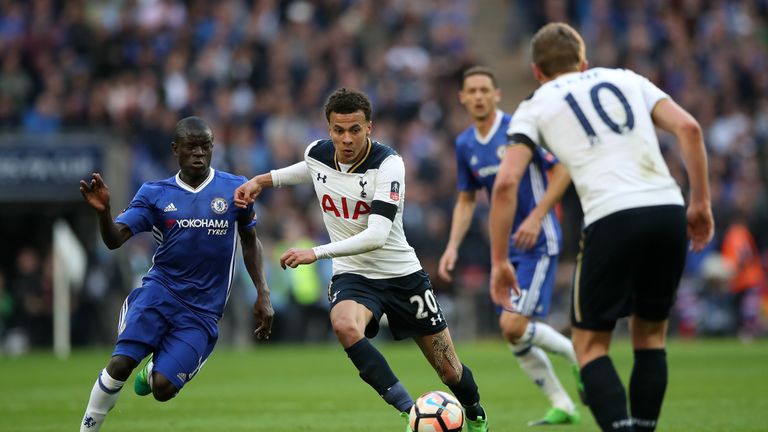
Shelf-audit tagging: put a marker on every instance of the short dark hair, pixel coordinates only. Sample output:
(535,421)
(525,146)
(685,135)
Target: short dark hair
(347,101)
(479,70)
(192,126)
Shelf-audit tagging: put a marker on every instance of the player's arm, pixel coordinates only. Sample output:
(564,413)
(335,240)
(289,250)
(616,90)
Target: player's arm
(461,220)
(96,194)
(502,215)
(528,232)
(297,173)
(254,264)
(670,116)
(374,236)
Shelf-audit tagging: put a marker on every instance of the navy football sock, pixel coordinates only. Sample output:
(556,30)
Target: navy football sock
(466,392)
(606,395)
(375,370)
(646,388)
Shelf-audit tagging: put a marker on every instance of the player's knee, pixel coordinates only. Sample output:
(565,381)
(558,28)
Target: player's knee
(162,389)
(513,327)
(120,367)
(346,329)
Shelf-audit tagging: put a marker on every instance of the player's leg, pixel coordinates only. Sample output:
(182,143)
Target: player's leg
(605,392)
(536,364)
(181,354)
(355,313)
(105,391)
(664,235)
(125,358)
(648,381)
(413,311)
(529,339)
(602,294)
(441,354)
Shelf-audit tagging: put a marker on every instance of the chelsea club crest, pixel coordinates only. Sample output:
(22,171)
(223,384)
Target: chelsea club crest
(219,205)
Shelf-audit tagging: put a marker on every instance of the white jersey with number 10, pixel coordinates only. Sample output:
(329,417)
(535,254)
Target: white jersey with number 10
(598,123)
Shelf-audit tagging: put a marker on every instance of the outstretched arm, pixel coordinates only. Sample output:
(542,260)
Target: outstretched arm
(254,264)
(460,223)
(503,206)
(671,117)
(291,175)
(96,194)
(528,232)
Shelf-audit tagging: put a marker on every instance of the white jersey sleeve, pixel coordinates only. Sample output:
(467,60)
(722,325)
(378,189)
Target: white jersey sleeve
(389,182)
(297,173)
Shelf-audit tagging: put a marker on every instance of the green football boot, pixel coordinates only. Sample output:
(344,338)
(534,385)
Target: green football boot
(579,384)
(141,383)
(480,424)
(407,418)
(556,416)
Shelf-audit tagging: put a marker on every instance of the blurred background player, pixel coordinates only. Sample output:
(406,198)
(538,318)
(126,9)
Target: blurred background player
(360,186)
(534,250)
(174,314)
(601,124)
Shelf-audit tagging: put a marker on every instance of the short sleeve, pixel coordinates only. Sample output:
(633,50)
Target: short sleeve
(466,181)
(523,125)
(651,94)
(138,216)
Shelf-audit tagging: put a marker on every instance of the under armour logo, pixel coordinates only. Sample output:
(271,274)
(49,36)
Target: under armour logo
(321,177)
(539,382)
(362,185)
(437,319)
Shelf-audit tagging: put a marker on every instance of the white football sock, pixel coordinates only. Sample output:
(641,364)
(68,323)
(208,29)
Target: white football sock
(535,363)
(103,397)
(544,336)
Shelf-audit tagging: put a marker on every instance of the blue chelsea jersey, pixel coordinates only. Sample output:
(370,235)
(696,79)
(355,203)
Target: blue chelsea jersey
(478,159)
(196,230)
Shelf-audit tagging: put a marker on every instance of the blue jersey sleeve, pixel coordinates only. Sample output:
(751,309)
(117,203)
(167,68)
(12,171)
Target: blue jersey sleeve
(138,217)
(466,181)
(545,158)
(248,213)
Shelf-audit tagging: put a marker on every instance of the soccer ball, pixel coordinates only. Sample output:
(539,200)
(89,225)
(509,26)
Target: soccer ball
(436,411)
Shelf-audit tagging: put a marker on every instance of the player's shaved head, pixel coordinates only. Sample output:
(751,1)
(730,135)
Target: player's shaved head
(479,70)
(347,101)
(557,48)
(192,127)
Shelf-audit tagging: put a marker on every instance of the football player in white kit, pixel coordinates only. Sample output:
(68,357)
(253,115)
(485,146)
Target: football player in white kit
(360,186)
(601,124)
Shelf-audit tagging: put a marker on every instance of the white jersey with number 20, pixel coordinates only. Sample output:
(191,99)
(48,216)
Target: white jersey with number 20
(598,123)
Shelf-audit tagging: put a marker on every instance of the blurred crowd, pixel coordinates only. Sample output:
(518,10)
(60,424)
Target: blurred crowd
(259,72)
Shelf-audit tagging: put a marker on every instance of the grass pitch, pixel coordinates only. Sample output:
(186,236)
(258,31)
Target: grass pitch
(715,385)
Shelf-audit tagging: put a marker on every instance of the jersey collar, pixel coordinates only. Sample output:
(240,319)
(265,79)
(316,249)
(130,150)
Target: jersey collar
(358,163)
(189,188)
(492,131)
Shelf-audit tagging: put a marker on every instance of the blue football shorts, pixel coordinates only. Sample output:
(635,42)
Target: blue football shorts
(152,320)
(536,277)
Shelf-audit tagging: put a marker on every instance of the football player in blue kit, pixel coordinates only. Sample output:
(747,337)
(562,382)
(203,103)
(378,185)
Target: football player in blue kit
(174,315)
(535,242)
